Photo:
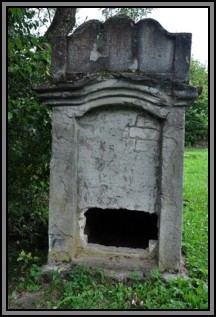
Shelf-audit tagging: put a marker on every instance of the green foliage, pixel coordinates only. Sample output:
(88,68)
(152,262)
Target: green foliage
(83,289)
(25,274)
(26,257)
(135,14)
(30,282)
(196,119)
(28,130)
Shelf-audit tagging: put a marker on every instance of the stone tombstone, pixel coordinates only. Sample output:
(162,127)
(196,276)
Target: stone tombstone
(118,92)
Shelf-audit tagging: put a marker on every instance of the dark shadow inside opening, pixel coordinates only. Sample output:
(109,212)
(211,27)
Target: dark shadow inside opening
(120,227)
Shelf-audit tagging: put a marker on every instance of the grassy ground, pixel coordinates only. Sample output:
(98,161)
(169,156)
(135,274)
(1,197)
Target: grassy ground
(85,288)
(195,229)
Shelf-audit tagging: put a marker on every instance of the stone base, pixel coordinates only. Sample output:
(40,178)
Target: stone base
(120,271)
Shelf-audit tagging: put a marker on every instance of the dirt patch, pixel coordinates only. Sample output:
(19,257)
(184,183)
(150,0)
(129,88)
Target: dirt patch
(26,301)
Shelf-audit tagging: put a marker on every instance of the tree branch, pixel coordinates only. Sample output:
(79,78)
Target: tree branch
(49,15)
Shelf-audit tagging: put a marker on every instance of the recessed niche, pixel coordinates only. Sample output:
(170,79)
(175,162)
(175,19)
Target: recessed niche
(120,227)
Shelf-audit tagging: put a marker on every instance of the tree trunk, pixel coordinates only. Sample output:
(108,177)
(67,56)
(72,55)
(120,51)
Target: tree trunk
(62,23)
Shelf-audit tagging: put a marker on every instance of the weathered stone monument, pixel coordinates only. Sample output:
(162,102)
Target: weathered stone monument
(118,93)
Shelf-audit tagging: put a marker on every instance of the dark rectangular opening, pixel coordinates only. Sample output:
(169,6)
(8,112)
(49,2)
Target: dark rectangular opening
(121,227)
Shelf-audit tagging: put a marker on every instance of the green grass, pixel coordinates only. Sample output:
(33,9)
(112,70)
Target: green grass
(85,288)
(195,213)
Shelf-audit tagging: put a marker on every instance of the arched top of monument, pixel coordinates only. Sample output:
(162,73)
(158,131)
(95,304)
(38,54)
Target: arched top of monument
(151,23)
(120,45)
(90,24)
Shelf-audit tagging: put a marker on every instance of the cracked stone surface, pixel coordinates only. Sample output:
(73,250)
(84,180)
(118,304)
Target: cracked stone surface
(120,172)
